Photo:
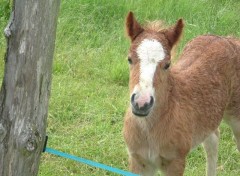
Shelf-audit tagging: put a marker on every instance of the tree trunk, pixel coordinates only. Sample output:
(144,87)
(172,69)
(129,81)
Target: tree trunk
(26,86)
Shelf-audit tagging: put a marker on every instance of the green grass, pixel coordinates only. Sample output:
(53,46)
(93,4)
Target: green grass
(90,79)
(4,15)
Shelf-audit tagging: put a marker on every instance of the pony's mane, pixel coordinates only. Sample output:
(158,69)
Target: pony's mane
(157,25)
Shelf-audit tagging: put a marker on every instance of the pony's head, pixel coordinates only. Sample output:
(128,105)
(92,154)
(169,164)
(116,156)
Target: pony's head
(149,59)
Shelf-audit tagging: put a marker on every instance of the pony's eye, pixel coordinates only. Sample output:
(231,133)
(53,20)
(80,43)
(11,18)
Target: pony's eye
(167,65)
(129,60)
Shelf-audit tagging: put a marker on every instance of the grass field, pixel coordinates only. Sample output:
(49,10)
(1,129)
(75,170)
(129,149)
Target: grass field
(90,79)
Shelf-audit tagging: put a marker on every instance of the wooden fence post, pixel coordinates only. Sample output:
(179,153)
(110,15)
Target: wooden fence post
(26,85)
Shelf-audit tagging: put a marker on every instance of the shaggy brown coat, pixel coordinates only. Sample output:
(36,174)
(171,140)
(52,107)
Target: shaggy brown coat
(190,100)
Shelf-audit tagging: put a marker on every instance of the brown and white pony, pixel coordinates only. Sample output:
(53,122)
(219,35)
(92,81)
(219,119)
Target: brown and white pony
(174,109)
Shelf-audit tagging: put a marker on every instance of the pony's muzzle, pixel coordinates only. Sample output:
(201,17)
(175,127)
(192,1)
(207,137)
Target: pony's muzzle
(141,105)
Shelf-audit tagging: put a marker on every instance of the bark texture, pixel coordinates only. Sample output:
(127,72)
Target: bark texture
(26,86)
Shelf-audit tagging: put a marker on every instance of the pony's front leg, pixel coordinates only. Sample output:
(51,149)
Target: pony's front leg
(138,165)
(175,167)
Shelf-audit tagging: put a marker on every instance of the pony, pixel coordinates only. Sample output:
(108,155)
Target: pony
(175,108)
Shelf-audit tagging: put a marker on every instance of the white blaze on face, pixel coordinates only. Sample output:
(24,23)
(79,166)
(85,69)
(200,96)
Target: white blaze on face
(150,52)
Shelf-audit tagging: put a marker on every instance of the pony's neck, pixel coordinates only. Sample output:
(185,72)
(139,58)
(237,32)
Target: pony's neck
(166,93)
(162,93)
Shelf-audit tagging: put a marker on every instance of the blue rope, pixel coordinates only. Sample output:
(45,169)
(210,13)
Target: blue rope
(89,162)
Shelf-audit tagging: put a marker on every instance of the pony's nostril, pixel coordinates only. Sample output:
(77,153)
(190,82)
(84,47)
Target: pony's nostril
(132,98)
(146,106)
(151,101)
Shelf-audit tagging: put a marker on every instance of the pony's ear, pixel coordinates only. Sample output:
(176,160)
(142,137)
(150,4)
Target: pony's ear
(133,28)
(174,33)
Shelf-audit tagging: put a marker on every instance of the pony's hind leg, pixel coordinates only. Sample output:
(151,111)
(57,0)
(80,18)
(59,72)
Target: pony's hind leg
(232,114)
(234,123)
(211,148)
